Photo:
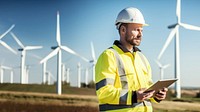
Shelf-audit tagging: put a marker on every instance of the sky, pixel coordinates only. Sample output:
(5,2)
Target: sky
(85,21)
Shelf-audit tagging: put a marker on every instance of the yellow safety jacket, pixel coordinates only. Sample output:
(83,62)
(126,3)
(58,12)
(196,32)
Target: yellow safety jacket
(118,75)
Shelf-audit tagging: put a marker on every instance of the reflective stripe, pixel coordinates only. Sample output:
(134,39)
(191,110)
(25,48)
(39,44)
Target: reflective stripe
(120,65)
(143,60)
(123,78)
(104,82)
(121,69)
(106,107)
(123,97)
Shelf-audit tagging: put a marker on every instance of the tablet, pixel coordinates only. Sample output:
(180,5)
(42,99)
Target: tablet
(160,85)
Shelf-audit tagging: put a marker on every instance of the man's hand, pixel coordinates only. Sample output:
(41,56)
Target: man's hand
(141,96)
(161,95)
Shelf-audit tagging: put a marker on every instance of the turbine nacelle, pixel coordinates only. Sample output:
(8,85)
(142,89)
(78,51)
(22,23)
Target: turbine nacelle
(172,26)
(91,61)
(21,49)
(54,47)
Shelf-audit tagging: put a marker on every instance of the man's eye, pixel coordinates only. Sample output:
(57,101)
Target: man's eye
(139,30)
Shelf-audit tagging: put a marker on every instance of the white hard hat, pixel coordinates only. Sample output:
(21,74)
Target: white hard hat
(130,15)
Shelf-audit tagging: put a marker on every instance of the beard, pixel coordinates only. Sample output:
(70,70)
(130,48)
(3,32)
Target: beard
(134,41)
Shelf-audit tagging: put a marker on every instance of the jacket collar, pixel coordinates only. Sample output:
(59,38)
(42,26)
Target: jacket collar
(118,44)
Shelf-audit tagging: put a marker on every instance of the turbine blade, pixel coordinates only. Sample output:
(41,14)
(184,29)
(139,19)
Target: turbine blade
(8,47)
(17,40)
(83,58)
(53,53)
(36,56)
(52,76)
(7,31)
(32,47)
(73,52)
(93,52)
(5,67)
(165,66)
(68,50)
(190,27)
(178,10)
(58,30)
(169,39)
(158,63)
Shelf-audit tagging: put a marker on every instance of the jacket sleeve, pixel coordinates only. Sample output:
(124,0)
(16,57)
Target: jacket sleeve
(108,86)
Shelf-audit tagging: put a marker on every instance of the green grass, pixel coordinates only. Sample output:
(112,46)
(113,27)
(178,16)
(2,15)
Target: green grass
(42,88)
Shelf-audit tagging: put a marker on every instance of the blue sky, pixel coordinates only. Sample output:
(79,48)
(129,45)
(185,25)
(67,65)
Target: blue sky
(83,21)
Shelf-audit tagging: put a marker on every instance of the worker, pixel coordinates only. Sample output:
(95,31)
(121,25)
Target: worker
(122,72)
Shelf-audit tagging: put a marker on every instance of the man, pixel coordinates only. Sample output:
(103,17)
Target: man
(122,71)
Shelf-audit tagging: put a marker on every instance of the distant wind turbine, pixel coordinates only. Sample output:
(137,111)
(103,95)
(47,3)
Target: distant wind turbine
(3,68)
(79,75)
(67,75)
(86,76)
(44,68)
(63,72)
(27,73)
(175,32)
(3,43)
(23,49)
(48,77)
(57,51)
(93,61)
(162,67)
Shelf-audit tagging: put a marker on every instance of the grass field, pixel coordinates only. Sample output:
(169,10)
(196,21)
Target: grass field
(43,98)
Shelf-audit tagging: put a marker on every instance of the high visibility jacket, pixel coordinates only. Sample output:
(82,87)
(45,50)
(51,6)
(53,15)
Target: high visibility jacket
(116,91)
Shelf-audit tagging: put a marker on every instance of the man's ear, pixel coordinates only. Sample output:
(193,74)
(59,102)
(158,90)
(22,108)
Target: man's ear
(123,29)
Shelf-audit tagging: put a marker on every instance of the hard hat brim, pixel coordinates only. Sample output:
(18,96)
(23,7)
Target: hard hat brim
(119,24)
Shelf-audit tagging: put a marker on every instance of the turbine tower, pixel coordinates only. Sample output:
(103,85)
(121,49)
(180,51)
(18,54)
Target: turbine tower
(23,49)
(67,75)
(162,67)
(44,68)
(57,51)
(175,32)
(79,75)
(86,77)
(48,77)
(93,61)
(3,43)
(2,69)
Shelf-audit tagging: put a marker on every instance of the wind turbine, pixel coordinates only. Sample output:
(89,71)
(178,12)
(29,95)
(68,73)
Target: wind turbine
(63,72)
(79,75)
(27,73)
(175,32)
(162,67)
(57,51)
(93,61)
(44,68)
(3,43)
(23,49)
(86,77)
(49,76)
(3,68)
(67,75)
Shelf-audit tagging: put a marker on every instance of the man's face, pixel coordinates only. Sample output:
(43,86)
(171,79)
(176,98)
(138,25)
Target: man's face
(133,35)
